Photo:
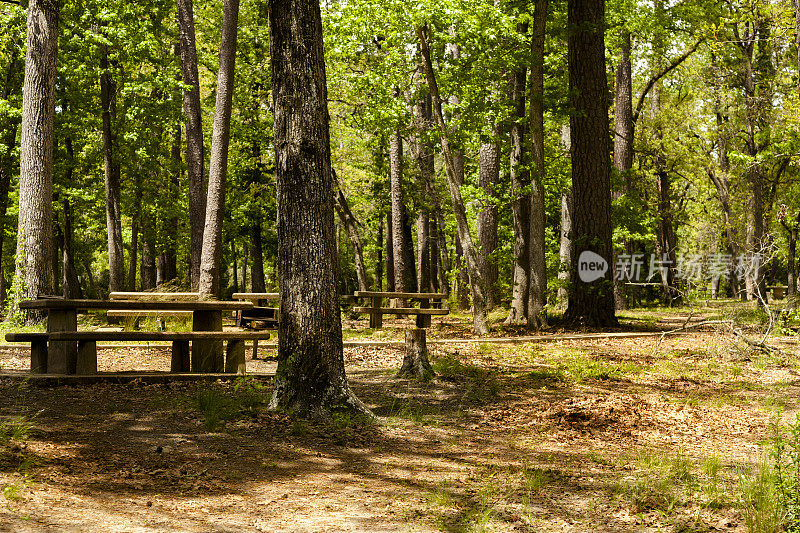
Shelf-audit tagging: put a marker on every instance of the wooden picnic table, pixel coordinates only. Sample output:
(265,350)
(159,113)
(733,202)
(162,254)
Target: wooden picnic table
(423,312)
(62,317)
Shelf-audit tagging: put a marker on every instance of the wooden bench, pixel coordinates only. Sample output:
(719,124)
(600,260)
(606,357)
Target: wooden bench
(778,291)
(85,361)
(161,314)
(423,313)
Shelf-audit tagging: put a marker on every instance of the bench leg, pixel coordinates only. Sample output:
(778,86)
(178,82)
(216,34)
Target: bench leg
(39,357)
(234,357)
(424,321)
(87,358)
(180,356)
(375,317)
(255,349)
(62,356)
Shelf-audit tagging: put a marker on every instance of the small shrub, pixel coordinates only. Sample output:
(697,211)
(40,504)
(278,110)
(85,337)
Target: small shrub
(213,405)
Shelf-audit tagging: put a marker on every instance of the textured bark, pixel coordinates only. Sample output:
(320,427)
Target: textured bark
(135,229)
(537,290)
(415,360)
(195,154)
(520,205)
(147,273)
(425,166)
(211,259)
(489,181)
(310,379)
(34,273)
(350,224)
(423,254)
(480,325)
(404,275)
(435,263)
(590,304)
(108,101)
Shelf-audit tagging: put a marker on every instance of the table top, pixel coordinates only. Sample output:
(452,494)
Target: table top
(189,305)
(412,295)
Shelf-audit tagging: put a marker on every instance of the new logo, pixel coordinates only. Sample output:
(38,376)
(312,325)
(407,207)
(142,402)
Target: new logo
(591,266)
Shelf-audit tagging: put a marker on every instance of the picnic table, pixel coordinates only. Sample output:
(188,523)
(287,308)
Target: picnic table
(423,313)
(57,351)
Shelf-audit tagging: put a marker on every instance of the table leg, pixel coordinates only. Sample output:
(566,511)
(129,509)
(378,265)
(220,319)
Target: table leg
(234,357)
(207,355)
(375,317)
(62,356)
(87,357)
(180,356)
(424,321)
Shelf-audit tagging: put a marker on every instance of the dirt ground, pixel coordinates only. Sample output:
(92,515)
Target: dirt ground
(639,434)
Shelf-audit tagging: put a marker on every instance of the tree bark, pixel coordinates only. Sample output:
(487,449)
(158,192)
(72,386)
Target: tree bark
(590,304)
(480,325)
(379,261)
(537,315)
(195,152)
(404,275)
(34,274)
(135,229)
(521,204)
(415,360)
(108,100)
(390,287)
(565,251)
(488,180)
(425,166)
(310,379)
(211,259)
(257,279)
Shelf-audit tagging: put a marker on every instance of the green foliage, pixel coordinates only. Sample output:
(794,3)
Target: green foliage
(657,481)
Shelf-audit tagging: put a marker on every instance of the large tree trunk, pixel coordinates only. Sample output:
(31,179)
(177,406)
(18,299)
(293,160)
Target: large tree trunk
(590,303)
(108,101)
(195,157)
(310,379)
(34,273)
(521,204)
(404,275)
(211,259)
(351,226)
(480,324)
(488,180)
(537,316)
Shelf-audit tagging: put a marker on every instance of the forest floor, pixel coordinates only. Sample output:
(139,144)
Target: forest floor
(621,434)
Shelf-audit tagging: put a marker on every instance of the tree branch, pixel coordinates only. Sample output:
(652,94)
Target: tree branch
(669,68)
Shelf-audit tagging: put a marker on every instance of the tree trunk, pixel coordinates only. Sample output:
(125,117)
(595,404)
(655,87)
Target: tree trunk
(537,315)
(379,261)
(245,258)
(488,180)
(167,264)
(135,228)
(72,288)
(565,251)
(257,269)
(195,156)
(404,275)
(791,267)
(415,361)
(435,263)
(521,204)
(623,146)
(444,253)
(148,268)
(235,263)
(480,324)
(425,165)
(108,100)
(590,303)
(390,287)
(310,379)
(211,259)
(34,274)
(351,226)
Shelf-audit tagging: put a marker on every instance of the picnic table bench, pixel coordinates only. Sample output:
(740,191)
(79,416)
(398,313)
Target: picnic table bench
(423,313)
(65,350)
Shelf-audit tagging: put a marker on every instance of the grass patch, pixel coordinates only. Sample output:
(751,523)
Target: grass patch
(658,482)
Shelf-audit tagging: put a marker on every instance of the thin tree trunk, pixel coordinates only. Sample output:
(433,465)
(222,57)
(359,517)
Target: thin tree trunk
(211,259)
(404,275)
(72,288)
(34,275)
(590,303)
(135,228)
(257,269)
(148,267)
(488,180)
(435,266)
(350,224)
(537,315)
(310,379)
(245,259)
(521,204)
(390,287)
(195,152)
(480,324)
(168,258)
(565,251)
(379,261)
(235,262)
(108,100)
